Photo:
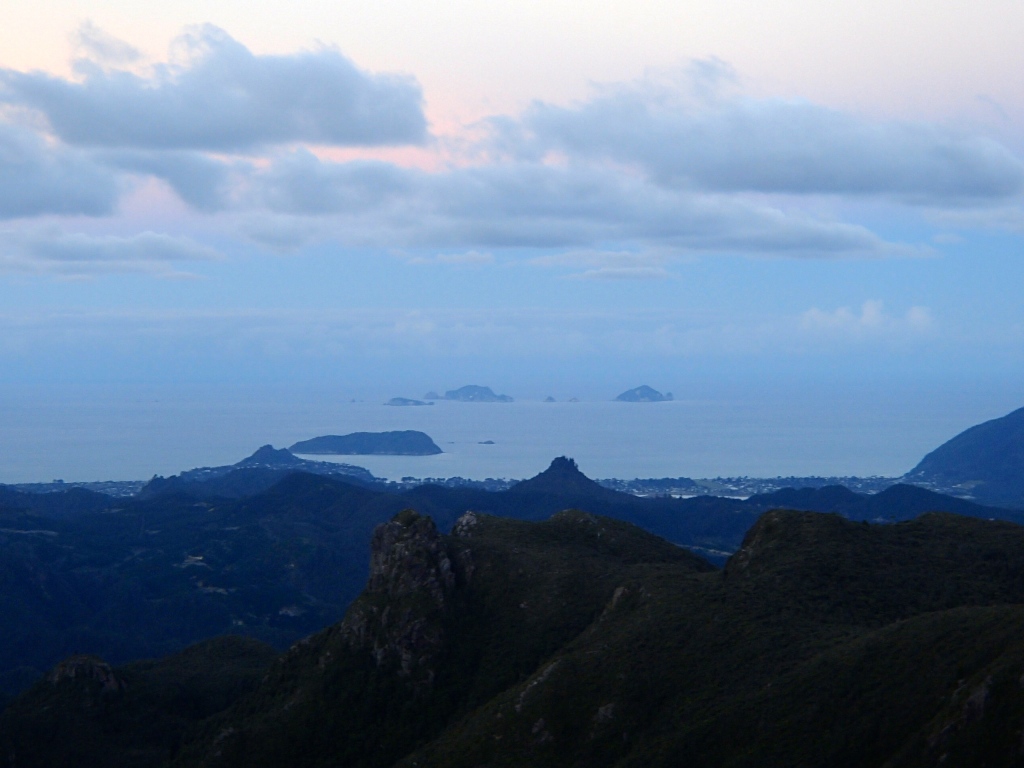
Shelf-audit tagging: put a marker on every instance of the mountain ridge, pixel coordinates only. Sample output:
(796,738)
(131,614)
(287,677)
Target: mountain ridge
(583,640)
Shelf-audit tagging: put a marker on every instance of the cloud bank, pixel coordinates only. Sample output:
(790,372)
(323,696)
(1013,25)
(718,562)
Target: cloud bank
(54,251)
(746,145)
(37,179)
(223,98)
(676,165)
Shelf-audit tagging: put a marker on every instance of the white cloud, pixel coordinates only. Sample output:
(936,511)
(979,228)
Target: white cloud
(96,45)
(38,179)
(533,205)
(624,273)
(469,258)
(725,143)
(222,97)
(671,166)
(53,251)
(205,183)
(611,265)
(871,320)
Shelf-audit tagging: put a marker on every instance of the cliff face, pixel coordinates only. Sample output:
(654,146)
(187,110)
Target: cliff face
(400,616)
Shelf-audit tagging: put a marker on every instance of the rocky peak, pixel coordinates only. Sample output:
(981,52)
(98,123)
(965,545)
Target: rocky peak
(761,538)
(89,668)
(399,617)
(268,455)
(562,477)
(407,557)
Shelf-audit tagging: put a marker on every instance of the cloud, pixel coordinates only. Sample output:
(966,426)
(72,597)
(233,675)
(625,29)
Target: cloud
(533,205)
(37,179)
(625,273)
(610,265)
(299,182)
(223,98)
(49,250)
(871,321)
(469,258)
(203,182)
(94,44)
(687,134)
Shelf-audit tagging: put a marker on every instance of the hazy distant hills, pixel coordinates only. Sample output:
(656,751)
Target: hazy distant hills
(985,461)
(584,641)
(251,475)
(400,443)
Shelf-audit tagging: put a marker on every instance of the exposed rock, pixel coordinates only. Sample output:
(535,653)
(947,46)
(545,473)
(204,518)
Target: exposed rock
(87,668)
(464,526)
(399,618)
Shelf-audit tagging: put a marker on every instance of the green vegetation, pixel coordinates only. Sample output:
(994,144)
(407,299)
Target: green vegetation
(584,641)
(126,579)
(90,716)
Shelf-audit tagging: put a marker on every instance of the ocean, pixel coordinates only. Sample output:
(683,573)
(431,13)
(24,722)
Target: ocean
(123,438)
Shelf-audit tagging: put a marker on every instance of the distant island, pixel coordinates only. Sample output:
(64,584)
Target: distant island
(403,443)
(643,394)
(473,393)
(406,401)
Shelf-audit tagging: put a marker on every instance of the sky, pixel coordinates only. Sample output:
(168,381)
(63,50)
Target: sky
(549,198)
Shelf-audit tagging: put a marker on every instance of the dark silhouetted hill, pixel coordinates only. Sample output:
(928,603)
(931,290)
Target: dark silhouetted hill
(894,504)
(250,476)
(985,461)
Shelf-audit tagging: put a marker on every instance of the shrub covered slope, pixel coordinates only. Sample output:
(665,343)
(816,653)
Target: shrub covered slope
(584,641)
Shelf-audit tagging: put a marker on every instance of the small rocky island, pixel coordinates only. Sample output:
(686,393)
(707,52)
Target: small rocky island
(406,401)
(643,394)
(401,443)
(473,393)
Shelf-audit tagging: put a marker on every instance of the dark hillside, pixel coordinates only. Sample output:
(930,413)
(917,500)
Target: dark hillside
(783,660)
(894,504)
(58,504)
(87,715)
(474,614)
(151,575)
(584,641)
(986,461)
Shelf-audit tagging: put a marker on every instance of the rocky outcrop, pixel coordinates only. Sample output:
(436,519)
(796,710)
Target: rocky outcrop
(400,617)
(88,668)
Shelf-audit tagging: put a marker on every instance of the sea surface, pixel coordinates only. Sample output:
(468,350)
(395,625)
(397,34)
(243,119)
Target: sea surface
(123,438)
